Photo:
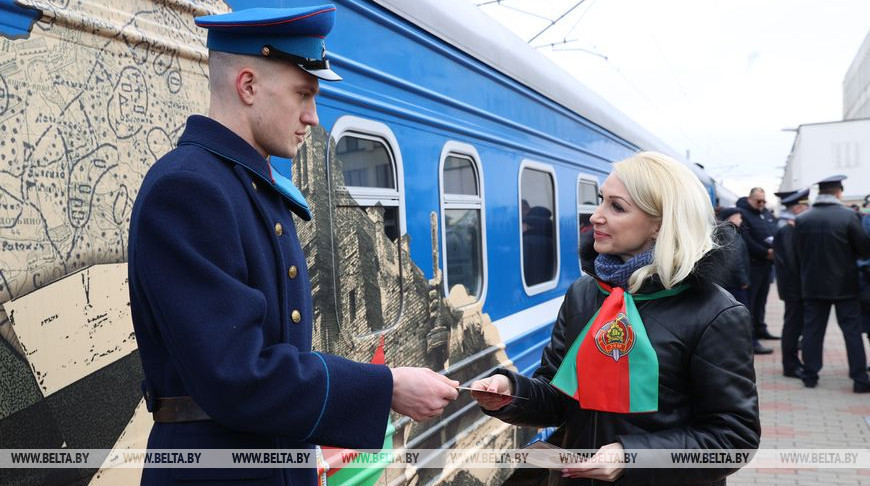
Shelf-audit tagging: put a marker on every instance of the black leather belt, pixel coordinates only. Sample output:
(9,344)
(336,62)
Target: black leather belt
(177,409)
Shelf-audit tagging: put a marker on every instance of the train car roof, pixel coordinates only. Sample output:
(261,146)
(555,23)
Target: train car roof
(482,37)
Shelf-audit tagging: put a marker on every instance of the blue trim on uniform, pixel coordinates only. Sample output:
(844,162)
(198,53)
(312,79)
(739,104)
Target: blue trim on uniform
(325,398)
(292,194)
(16,21)
(241,153)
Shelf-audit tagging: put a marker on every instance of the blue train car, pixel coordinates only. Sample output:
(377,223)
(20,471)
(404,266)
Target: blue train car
(451,178)
(527,128)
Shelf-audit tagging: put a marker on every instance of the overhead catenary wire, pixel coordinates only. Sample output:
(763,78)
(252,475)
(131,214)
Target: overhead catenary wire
(554,22)
(548,19)
(561,42)
(719,158)
(587,51)
(581,17)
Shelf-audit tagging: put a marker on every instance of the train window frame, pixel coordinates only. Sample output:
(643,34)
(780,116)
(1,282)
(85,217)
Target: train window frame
(552,283)
(460,201)
(584,208)
(349,125)
(377,131)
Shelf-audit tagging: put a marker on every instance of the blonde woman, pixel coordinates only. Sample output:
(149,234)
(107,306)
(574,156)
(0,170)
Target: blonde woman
(646,353)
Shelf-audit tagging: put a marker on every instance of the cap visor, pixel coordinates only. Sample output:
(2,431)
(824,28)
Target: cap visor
(324,74)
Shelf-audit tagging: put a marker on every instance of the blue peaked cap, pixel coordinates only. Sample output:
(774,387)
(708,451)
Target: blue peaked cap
(797,197)
(297,35)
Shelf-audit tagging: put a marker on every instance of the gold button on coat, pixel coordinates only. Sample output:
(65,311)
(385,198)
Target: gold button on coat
(292,271)
(254,185)
(296,316)
(279,230)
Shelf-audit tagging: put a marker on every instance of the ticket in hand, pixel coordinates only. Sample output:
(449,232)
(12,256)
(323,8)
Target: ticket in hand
(494,394)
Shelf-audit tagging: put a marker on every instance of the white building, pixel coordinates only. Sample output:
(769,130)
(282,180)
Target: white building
(825,149)
(841,147)
(856,85)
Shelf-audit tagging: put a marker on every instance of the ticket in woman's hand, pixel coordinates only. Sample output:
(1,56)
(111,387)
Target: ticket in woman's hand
(494,394)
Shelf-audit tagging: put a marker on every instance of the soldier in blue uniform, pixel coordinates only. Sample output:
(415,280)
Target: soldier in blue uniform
(219,290)
(829,239)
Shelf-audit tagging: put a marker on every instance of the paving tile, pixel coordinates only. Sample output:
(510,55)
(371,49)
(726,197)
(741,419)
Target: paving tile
(829,416)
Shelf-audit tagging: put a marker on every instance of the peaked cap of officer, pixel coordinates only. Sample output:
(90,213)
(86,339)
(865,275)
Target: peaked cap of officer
(297,35)
(832,182)
(797,197)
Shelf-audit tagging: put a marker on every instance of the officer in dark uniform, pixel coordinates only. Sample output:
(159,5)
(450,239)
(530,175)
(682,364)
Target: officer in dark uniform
(219,289)
(788,281)
(829,240)
(864,273)
(735,276)
(786,215)
(759,225)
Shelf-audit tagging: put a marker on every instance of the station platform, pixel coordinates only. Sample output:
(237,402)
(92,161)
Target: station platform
(829,416)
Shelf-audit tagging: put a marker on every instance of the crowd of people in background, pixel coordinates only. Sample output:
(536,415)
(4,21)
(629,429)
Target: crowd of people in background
(819,256)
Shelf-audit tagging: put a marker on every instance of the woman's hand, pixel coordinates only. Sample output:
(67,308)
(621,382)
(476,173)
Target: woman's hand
(497,384)
(611,455)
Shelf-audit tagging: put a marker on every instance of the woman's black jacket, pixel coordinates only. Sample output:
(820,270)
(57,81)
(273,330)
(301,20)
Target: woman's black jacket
(707,394)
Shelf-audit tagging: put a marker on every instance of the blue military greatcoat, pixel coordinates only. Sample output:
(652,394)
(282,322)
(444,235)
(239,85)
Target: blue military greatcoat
(222,310)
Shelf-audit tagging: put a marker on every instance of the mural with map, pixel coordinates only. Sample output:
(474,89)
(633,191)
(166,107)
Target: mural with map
(90,98)
(93,94)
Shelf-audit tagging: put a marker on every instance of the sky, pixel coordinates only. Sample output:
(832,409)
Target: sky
(724,81)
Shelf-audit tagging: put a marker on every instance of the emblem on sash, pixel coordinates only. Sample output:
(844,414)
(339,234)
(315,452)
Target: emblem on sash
(616,338)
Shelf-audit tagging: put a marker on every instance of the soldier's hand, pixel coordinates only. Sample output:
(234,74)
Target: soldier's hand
(420,393)
(497,384)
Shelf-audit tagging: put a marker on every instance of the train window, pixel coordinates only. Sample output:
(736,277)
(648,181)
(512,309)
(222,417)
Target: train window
(369,175)
(460,176)
(539,227)
(366,162)
(587,201)
(463,235)
(368,225)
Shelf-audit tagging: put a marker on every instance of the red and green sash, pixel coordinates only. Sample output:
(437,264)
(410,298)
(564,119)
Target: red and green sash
(612,366)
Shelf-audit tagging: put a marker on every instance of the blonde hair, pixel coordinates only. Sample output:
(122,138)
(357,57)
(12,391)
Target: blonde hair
(669,192)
